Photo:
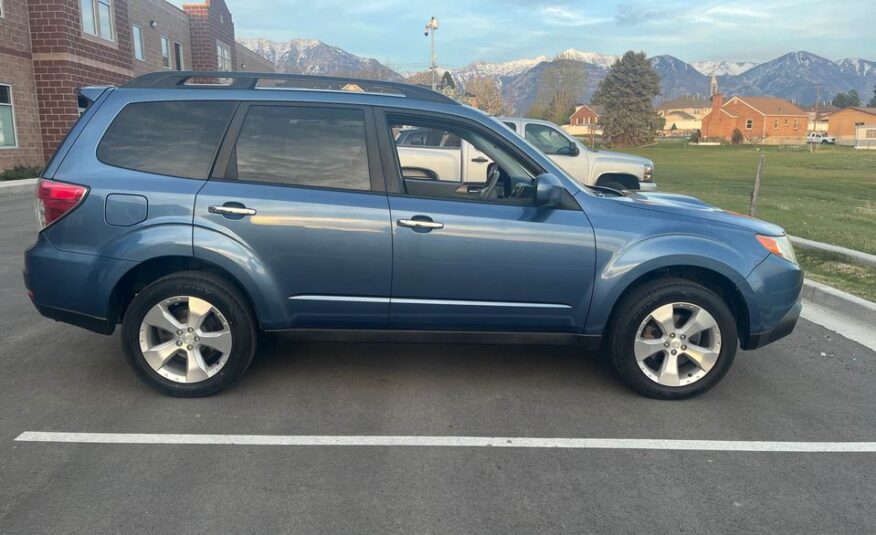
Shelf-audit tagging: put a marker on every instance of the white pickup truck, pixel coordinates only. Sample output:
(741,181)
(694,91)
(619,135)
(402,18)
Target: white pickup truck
(821,138)
(440,155)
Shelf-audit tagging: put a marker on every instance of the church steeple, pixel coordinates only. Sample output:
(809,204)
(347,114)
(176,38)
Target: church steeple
(713,85)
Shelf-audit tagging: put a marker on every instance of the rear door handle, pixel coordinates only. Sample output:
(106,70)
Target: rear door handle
(419,224)
(231,210)
(480,159)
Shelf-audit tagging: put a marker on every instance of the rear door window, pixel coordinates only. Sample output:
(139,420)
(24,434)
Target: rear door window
(177,138)
(302,146)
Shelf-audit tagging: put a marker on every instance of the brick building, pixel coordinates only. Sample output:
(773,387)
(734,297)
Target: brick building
(760,119)
(50,48)
(843,123)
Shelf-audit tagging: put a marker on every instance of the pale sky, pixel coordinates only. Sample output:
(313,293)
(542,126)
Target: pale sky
(500,30)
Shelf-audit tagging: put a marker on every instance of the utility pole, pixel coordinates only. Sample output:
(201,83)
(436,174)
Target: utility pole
(815,125)
(431,27)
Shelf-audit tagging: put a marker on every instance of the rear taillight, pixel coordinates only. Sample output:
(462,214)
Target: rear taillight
(55,199)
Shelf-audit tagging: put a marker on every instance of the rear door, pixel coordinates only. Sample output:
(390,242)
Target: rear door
(299,186)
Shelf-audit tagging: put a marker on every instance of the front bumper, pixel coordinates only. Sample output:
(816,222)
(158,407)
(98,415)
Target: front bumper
(647,186)
(782,329)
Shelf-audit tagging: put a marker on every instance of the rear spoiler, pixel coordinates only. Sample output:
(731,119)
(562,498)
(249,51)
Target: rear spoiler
(87,95)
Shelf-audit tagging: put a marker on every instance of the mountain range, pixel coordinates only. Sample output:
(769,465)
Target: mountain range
(797,76)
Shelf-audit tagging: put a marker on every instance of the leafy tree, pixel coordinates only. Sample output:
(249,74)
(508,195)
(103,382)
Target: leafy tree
(627,94)
(846,100)
(695,137)
(487,96)
(558,90)
(872,103)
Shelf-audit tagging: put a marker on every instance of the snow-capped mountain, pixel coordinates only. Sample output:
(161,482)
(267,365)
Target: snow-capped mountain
(602,60)
(723,68)
(796,76)
(310,56)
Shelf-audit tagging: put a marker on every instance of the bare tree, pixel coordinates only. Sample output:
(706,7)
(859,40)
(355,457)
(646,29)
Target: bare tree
(561,84)
(486,93)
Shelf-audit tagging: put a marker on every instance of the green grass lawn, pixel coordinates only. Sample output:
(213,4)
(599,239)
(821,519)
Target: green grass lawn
(828,195)
(835,270)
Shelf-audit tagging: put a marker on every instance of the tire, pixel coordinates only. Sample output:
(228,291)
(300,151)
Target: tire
(635,315)
(824,142)
(195,370)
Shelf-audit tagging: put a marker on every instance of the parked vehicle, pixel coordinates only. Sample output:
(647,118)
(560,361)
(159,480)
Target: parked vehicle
(610,169)
(198,215)
(821,138)
(432,154)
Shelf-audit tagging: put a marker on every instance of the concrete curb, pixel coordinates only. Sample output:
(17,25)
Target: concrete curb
(864,259)
(11,188)
(840,302)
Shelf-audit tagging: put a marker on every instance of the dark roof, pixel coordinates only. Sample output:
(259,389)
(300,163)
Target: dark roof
(685,101)
(680,114)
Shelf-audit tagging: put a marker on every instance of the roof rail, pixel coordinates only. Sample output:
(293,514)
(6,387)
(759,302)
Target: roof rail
(250,80)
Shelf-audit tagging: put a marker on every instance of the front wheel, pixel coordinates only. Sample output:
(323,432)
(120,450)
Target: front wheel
(672,339)
(189,334)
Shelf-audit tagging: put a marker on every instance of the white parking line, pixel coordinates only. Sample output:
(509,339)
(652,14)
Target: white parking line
(450,441)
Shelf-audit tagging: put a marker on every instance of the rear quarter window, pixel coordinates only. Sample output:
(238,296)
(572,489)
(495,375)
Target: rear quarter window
(177,138)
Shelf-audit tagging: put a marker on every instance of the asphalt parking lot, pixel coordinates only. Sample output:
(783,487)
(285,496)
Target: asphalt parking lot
(812,386)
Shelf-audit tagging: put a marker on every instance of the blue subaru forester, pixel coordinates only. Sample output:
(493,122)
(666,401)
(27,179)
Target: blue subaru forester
(200,209)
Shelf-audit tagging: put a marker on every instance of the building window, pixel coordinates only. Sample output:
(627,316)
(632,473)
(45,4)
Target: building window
(178,56)
(796,123)
(785,122)
(97,18)
(7,118)
(775,123)
(137,37)
(165,52)
(223,55)
(749,123)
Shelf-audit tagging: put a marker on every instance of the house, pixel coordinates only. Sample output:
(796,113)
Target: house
(585,120)
(759,119)
(685,112)
(824,109)
(842,124)
(50,48)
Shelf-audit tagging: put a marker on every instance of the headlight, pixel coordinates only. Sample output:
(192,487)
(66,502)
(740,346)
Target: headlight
(649,173)
(779,246)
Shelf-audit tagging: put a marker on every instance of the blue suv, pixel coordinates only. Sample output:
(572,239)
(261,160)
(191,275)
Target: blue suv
(200,209)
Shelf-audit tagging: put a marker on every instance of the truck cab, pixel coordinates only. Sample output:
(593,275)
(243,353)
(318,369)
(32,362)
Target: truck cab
(615,170)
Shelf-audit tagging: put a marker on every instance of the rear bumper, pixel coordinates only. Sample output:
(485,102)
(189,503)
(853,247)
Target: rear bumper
(73,288)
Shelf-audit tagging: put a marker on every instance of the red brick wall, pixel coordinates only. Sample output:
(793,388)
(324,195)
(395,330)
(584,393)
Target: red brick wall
(65,59)
(16,70)
(210,22)
(719,124)
(581,116)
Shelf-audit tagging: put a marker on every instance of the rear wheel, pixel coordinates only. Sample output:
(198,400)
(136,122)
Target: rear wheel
(672,339)
(189,334)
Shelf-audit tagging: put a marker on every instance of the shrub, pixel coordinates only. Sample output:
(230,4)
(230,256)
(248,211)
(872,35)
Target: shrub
(695,137)
(19,172)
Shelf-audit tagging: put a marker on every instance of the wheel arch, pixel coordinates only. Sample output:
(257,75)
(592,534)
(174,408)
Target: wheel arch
(715,281)
(627,180)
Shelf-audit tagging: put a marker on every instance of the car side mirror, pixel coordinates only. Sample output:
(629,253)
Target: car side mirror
(548,190)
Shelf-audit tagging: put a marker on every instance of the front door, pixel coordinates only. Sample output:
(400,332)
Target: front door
(293,187)
(491,259)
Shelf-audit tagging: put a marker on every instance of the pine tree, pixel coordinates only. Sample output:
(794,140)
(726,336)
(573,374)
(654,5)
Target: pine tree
(627,94)
(872,103)
(447,81)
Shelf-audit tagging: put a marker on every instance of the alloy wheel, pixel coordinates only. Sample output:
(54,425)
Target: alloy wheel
(677,344)
(185,339)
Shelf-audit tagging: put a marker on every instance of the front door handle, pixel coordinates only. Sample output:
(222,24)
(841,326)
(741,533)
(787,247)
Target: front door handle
(420,224)
(480,159)
(231,210)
